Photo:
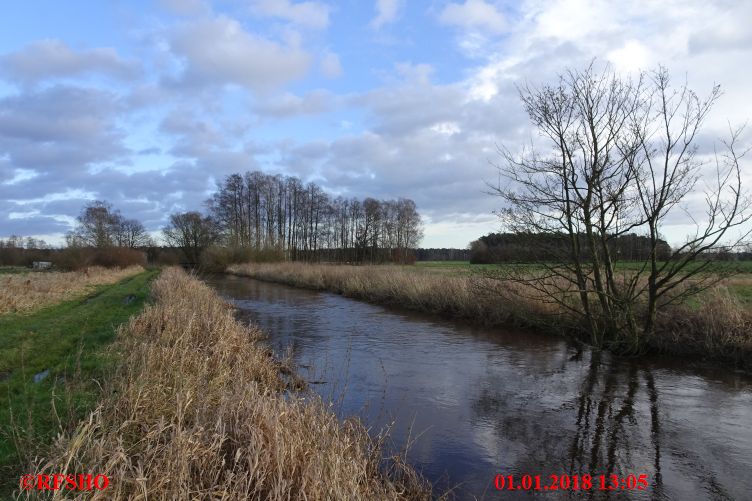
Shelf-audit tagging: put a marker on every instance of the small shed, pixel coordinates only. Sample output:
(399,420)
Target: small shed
(42,265)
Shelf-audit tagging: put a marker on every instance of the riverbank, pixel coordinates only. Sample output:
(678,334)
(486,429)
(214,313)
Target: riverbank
(53,357)
(199,408)
(719,326)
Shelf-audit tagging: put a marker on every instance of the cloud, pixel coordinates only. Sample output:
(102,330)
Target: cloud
(308,14)
(194,136)
(47,59)
(290,105)
(726,30)
(330,65)
(387,12)
(60,127)
(632,56)
(474,15)
(220,51)
(186,7)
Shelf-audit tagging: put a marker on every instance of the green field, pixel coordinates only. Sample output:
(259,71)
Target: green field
(69,341)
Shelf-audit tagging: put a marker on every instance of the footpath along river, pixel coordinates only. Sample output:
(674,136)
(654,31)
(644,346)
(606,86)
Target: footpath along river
(475,402)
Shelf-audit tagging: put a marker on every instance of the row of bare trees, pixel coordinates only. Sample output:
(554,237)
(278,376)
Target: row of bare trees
(27,243)
(621,157)
(261,211)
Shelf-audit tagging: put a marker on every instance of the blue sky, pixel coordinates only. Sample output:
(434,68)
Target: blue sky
(148,104)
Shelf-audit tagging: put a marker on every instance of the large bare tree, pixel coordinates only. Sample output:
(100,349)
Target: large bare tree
(191,232)
(620,157)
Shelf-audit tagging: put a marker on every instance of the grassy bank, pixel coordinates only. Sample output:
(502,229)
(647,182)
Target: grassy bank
(62,347)
(718,325)
(199,409)
(28,291)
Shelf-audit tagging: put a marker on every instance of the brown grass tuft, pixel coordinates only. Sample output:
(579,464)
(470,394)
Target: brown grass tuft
(721,327)
(199,410)
(21,293)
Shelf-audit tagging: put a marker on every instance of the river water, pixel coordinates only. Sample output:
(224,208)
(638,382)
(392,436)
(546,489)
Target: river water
(473,402)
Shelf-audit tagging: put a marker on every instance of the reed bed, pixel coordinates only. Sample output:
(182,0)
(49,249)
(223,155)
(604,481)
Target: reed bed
(200,409)
(718,326)
(23,293)
(457,296)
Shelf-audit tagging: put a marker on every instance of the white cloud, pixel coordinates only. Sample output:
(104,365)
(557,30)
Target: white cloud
(220,51)
(309,14)
(45,59)
(387,12)
(474,15)
(632,56)
(330,65)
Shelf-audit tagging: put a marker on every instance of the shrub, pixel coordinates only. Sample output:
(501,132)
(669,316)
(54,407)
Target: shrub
(217,259)
(78,258)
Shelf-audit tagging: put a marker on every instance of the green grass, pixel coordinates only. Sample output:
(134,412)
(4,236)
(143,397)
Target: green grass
(69,340)
(7,270)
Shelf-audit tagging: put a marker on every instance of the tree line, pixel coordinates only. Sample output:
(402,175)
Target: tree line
(261,211)
(256,215)
(526,247)
(442,254)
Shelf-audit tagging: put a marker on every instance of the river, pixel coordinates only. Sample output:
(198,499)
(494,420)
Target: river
(474,403)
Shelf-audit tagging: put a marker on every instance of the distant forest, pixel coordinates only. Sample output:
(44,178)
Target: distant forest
(532,247)
(442,254)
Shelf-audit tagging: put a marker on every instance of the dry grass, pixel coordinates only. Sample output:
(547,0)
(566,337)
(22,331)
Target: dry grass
(199,409)
(720,326)
(22,293)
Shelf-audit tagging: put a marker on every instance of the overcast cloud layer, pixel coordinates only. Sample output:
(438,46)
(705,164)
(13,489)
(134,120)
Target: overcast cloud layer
(148,105)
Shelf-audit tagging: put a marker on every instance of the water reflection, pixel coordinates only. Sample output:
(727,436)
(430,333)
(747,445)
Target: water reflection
(483,402)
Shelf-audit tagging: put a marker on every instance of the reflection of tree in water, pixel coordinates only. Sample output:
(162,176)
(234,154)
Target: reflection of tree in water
(612,426)
(602,443)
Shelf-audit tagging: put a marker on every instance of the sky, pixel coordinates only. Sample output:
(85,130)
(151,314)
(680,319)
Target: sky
(149,104)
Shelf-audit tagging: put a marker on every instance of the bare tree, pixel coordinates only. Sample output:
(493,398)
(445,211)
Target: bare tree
(97,226)
(622,156)
(191,232)
(131,233)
